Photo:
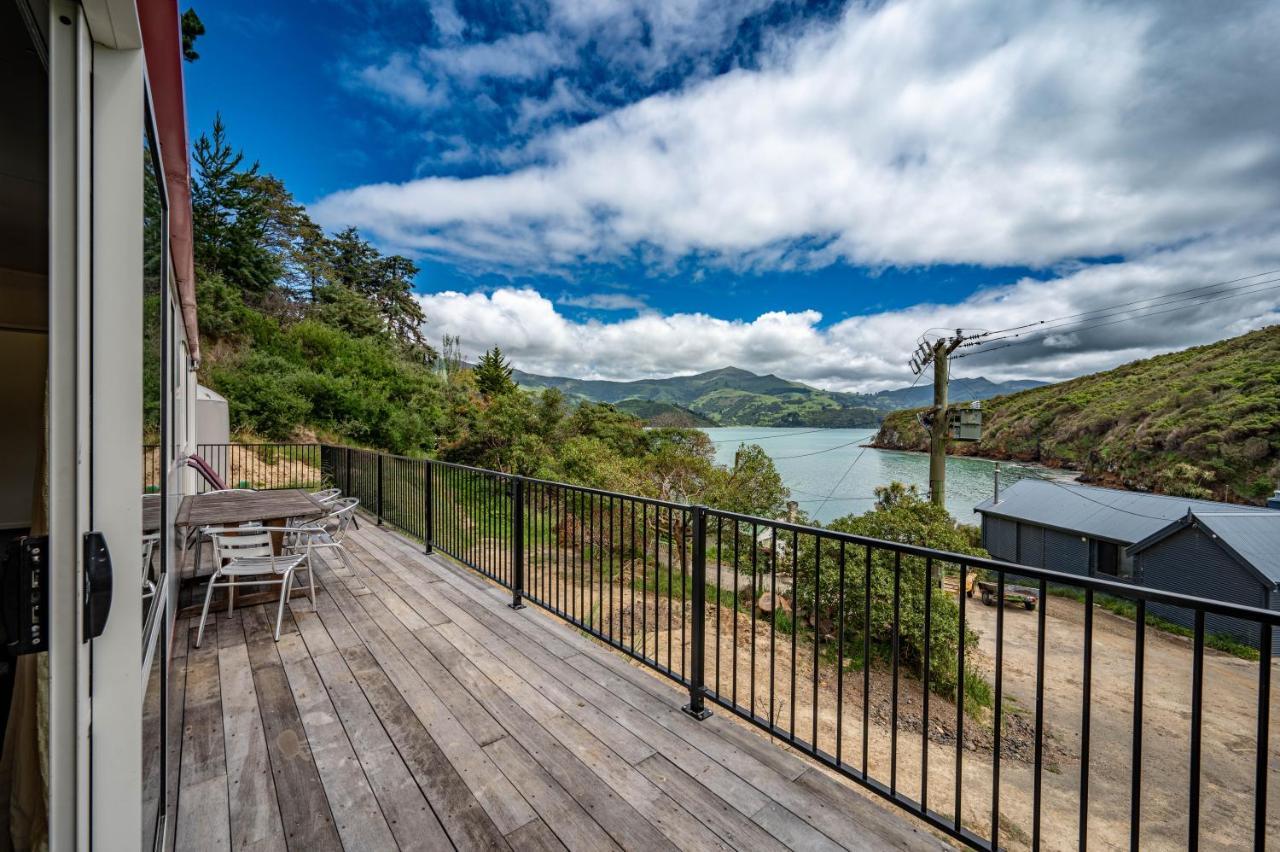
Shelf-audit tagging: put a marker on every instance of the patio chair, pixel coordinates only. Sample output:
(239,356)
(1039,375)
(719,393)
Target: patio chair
(326,495)
(149,543)
(327,532)
(247,552)
(201,535)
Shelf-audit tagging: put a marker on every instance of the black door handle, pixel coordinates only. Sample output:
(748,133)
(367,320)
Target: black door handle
(97,584)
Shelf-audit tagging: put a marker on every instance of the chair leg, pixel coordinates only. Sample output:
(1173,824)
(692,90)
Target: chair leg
(231,598)
(284,597)
(311,579)
(204,614)
(346,559)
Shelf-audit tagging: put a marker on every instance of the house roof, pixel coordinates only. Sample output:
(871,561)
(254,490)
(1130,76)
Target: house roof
(1124,517)
(1251,537)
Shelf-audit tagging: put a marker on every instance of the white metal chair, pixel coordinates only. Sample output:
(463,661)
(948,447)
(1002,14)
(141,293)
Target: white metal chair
(326,495)
(149,543)
(201,534)
(248,552)
(327,532)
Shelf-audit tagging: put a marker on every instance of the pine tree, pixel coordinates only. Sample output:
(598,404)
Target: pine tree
(493,374)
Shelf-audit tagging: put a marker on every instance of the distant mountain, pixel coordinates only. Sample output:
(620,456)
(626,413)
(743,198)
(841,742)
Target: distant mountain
(735,397)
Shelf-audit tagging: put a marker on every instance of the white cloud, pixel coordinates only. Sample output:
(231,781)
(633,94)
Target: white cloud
(399,81)
(869,352)
(513,57)
(604,302)
(913,133)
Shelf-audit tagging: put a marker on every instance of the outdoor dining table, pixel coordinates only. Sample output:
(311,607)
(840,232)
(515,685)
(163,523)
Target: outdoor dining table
(230,508)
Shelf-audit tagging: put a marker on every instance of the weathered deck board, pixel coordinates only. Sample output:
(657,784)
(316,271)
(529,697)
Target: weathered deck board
(414,710)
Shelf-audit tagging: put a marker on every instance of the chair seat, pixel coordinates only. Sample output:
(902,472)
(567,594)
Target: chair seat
(262,564)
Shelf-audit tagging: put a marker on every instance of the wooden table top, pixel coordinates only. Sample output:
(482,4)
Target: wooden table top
(238,507)
(150,513)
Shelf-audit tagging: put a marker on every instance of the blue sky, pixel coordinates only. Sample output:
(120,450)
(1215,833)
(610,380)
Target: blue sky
(617,188)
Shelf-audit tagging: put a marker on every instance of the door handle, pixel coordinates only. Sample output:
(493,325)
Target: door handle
(97,584)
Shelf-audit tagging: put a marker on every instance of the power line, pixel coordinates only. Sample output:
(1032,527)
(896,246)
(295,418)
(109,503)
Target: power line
(766,437)
(1032,474)
(1088,326)
(820,452)
(840,481)
(1045,326)
(1134,302)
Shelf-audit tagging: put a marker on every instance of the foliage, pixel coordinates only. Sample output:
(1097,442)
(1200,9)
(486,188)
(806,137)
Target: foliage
(1204,422)
(493,374)
(901,515)
(192,29)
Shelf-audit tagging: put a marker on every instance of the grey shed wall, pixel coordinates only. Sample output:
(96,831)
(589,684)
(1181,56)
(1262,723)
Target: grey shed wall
(1065,552)
(1191,563)
(1000,538)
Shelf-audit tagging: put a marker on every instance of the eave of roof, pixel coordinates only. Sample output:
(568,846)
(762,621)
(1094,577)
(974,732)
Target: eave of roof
(162,44)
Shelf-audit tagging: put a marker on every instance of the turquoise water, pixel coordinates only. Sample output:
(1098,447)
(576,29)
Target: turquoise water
(831,462)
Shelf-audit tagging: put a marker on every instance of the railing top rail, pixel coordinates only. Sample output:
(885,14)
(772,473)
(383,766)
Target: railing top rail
(1115,588)
(617,495)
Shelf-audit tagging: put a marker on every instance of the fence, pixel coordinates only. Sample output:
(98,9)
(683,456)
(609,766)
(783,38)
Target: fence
(824,639)
(258,466)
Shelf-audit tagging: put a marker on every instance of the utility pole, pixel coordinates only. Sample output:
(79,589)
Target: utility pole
(938,352)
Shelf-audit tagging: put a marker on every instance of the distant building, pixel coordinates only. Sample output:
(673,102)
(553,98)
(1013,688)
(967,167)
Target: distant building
(1219,551)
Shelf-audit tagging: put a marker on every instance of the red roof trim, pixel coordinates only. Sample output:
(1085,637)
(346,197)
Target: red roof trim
(162,42)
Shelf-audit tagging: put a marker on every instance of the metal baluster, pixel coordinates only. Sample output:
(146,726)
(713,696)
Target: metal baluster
(1086,710)
(1197,708)
(1135,780)
(1263,736)
(697,653)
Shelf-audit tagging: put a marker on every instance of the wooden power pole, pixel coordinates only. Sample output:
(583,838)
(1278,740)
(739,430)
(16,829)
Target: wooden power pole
(938,353)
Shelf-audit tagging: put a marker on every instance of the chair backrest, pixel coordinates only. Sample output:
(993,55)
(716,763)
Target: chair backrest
(206,471)
(326,495)
(339,518)
(149,543)
(236,545)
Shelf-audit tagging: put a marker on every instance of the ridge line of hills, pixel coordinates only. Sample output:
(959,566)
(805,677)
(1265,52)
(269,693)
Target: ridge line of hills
(732,396)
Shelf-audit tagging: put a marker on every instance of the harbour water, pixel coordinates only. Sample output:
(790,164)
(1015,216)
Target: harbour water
(831,474)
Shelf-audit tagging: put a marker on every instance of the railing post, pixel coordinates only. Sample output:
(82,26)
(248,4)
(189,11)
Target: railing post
(697,653)
(346,485)
(517,531)
(379,489)
(428,508)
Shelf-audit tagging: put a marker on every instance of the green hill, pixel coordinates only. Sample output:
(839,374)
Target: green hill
(1204,422)
(735,397)
(663,413)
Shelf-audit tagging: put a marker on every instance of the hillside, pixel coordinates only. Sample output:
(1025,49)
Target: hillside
(735,397)
(663,413)
(1204,422)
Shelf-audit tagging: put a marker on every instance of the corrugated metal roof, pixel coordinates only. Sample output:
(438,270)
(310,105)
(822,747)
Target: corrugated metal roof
(1254,536)
(1106,513)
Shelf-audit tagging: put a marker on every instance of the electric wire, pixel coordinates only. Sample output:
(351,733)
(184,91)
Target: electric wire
(1033,338)
(1128,304)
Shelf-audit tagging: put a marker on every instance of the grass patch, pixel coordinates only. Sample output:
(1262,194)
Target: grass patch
(1128,609)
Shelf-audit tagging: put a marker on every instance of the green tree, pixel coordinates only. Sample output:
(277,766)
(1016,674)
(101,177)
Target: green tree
(230,215)
(901,515)
(192,29)
(493,374)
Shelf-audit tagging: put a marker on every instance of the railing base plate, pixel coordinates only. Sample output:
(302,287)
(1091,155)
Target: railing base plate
(697,714)
(516,606)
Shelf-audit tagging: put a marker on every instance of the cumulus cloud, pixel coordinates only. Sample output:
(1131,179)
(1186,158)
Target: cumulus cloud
(910,133)
(868,353)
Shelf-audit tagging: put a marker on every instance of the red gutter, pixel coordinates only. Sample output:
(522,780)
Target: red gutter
(162,43)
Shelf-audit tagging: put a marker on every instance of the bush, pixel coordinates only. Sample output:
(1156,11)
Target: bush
(902,516)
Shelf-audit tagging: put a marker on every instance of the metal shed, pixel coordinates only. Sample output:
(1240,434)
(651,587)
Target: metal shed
(1199,547)
(1227,555)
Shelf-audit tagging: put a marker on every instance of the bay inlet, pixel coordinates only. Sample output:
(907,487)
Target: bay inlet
(831,473)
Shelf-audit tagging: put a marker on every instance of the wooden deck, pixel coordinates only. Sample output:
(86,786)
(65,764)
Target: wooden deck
(415,710)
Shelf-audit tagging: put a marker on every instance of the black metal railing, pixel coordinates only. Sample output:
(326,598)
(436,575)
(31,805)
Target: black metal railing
(869,656)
